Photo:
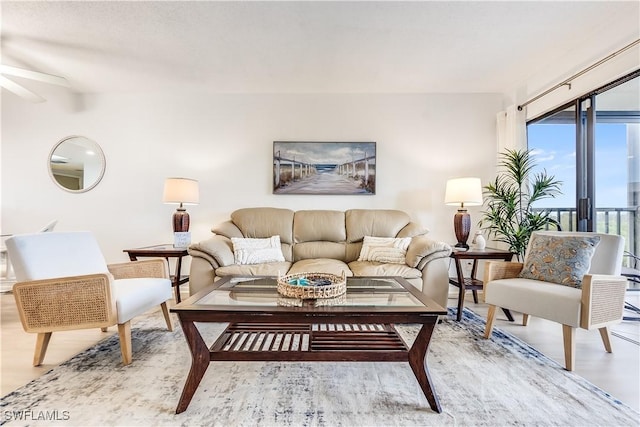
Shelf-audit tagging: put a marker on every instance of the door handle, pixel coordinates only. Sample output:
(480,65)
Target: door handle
(584,209)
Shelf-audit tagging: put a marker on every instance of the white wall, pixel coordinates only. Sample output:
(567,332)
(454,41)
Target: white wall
(591,47)
(225,141)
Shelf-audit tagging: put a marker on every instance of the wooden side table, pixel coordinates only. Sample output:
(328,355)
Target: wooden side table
(166,252)
(472,283)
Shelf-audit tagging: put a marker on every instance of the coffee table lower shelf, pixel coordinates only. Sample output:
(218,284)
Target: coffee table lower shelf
(306,343)
(301,342)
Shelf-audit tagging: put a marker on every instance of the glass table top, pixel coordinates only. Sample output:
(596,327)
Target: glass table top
(376,292)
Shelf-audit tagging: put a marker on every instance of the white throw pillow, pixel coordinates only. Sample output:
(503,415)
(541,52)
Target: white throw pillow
(257,251)
(384,249)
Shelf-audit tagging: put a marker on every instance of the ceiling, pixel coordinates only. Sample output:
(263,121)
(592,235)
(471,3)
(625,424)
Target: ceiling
(307,46)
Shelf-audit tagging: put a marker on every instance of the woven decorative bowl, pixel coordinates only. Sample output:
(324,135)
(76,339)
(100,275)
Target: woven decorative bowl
(307,285)
(320,302)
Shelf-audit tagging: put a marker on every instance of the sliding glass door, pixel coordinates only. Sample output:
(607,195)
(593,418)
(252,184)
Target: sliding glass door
(593,146)
(617,161)
(552,140)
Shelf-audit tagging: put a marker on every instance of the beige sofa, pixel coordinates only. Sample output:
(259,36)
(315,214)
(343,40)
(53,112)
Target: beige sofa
(322,241)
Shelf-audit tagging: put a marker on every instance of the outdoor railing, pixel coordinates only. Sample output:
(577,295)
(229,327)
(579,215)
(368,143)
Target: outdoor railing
(620,221)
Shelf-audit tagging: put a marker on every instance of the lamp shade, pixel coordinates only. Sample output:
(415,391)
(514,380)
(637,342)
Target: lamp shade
(181,190)
(463,191)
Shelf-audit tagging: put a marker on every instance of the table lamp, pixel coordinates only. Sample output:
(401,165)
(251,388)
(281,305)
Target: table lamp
(463,191)
(182,191)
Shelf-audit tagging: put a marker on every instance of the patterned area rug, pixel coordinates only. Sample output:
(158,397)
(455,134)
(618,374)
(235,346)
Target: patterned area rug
(502,381)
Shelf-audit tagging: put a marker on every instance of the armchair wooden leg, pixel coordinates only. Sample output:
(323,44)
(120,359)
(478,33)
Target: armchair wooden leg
(606,338)
(491,314)
(167,316)
(525,319)
(104,329)
(569,335)
(124,330)
(42,342)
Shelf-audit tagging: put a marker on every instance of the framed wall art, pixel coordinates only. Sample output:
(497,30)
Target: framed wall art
(301,167)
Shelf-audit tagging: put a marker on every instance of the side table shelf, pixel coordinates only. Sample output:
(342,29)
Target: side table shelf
(472,283)
(164,251)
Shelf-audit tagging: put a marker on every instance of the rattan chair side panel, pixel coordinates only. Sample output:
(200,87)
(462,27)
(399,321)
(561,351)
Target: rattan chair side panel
(495,270)
(137,269)
(602,300)
(67,303)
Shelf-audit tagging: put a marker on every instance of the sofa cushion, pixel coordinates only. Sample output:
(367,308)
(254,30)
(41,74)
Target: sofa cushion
(137,295)
(372,268)
(309,250)
(320,225)
(550,301)
(227,229)
(266,269)
(559,259)
(384,249)
(320,265)
(265,222)
(257,251)
(374,222)
(412,229)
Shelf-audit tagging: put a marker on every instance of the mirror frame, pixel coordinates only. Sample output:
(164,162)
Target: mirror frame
(99,153)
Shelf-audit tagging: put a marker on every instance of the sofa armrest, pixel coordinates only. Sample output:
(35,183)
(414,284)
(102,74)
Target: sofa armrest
(602,300)
(423,250)
(227,229)
(495,270)
(156,268)
(217,249)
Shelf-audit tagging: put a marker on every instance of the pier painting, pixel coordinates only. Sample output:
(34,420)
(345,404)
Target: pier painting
(324,167)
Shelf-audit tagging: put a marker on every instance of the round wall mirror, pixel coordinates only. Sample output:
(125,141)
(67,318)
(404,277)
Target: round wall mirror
(76,164)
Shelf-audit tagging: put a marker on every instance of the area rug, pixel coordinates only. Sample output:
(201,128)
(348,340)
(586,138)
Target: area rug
(502,381)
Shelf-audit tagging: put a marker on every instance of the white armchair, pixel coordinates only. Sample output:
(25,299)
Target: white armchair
(597,304)
(64,283)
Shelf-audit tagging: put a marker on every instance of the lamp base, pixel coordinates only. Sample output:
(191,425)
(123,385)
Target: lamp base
(180,221)
(462,227)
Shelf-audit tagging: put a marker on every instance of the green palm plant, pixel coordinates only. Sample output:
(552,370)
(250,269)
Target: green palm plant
(509,215)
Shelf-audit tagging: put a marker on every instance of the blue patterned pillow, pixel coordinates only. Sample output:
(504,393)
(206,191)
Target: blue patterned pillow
(562,260)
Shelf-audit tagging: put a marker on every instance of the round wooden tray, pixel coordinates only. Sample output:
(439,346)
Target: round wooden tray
(337,287)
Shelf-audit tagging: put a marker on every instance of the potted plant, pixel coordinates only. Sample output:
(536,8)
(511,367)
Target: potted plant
(509,215)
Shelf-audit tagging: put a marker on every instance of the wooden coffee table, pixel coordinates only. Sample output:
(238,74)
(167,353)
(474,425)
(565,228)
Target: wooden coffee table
(357,327)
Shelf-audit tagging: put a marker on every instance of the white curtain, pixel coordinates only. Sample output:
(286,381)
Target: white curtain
(512,134)
(512,129)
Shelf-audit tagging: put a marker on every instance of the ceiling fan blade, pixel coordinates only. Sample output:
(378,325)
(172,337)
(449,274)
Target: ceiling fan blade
(34,75)
(14,87)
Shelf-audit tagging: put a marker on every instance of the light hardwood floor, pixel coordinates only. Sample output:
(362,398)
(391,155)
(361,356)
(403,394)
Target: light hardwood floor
(618,373)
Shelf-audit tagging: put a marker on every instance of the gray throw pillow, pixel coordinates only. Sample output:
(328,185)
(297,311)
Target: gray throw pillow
(559,259)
